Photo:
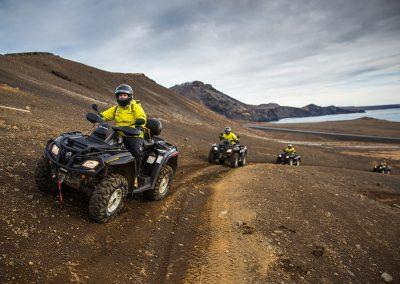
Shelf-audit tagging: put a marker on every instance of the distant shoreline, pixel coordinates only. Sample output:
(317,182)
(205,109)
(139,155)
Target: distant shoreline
(338,136)
(389,114)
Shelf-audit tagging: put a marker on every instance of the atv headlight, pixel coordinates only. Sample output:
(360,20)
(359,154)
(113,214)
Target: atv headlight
(287,157)
(229,150)
(55,150)
(90,164)
(215,148)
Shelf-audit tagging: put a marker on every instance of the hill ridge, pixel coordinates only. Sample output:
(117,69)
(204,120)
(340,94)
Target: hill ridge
(231,108)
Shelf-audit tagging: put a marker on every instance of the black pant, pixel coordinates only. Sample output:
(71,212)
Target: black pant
(135,146)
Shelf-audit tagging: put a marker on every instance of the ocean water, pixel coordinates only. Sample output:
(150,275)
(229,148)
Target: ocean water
(392,114)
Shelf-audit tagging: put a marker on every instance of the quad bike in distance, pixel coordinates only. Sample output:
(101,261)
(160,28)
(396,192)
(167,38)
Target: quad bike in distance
(234,154)
(382,169)
(288,159)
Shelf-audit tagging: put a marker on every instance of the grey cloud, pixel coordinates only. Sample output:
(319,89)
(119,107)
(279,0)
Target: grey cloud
(257,51)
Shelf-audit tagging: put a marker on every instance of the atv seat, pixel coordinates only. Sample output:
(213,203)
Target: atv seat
(154,127)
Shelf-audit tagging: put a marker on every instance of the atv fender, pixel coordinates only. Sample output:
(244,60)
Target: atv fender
(170,159)
(119,159)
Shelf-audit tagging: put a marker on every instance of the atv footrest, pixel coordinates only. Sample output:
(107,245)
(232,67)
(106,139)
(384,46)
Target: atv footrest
(143,180)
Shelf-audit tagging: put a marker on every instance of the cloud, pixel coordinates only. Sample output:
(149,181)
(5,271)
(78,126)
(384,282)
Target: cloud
(290,52)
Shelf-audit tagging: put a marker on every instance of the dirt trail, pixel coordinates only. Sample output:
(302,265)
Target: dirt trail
(272,223)
(236,252)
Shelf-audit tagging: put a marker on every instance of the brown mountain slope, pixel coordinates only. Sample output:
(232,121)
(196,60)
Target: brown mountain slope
(50,76)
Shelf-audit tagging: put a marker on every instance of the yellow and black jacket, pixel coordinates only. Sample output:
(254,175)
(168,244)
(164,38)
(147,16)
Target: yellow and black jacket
(289,151)
(125,116)
(231,137)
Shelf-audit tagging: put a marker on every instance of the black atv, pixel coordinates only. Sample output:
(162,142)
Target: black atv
(382,169)
(101,166)
(284,158)
(235,154)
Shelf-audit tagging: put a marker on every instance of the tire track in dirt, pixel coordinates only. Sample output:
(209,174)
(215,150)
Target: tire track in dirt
(140,242)
(229,249)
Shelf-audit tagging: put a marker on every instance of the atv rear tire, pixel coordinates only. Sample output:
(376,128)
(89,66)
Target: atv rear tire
(43,178)
(108,198)
(234,160)
(211,157)
(243,162)
(291,162)
(162,186)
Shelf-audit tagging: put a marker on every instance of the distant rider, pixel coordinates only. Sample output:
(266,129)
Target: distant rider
(127,113)
(383,164)
(229,135)
(289,150)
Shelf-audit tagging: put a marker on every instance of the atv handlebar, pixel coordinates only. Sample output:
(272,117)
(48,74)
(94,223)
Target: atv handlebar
(95,107)
(93,118)
(127,130)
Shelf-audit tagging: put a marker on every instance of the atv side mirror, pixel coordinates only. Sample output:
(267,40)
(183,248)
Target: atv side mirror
(96,108)
(93,118)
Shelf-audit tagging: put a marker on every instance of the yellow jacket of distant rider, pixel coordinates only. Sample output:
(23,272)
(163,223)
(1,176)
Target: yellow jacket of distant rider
(231,137)
(125,116)
(289,151)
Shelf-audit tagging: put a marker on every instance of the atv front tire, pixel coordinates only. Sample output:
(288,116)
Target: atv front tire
(234,160)
(108,198)
(43,178)
(162,186)
(211,157)
(298,163)
(243,162)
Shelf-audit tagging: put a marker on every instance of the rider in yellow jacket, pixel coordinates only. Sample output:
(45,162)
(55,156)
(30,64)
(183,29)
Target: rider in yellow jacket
(289,150)
(229,135)
(128,112)
(125,115)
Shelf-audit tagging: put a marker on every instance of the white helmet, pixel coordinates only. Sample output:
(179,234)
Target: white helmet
(228,130)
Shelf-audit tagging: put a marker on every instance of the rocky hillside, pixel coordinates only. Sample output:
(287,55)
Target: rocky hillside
(234,109)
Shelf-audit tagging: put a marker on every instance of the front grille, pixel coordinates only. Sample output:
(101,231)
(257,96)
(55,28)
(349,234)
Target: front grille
(63,158)
(67,156)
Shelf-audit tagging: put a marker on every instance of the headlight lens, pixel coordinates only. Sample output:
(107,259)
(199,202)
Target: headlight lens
(90,164)
(287,157)
(229,150)
(215,148)
(55,150)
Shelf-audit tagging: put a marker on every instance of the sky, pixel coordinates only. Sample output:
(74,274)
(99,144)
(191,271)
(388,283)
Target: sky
(289,52)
